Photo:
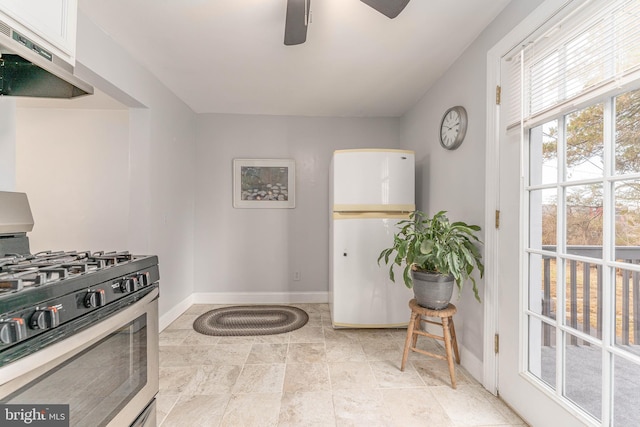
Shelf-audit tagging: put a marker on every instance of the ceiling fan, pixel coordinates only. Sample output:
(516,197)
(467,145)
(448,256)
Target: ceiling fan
(297,21)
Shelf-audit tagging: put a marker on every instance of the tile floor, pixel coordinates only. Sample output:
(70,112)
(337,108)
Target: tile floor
(314,376)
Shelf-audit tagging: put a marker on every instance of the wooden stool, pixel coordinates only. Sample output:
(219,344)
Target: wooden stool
(449,334)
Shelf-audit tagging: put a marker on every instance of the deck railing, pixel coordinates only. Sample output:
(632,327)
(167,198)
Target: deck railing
(627,295)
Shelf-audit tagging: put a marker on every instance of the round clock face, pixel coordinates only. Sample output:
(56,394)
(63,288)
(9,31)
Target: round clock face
(453,127)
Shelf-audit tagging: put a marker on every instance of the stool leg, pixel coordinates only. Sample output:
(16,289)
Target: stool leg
(407,342)
(447,344)
(416,327)
(454,340)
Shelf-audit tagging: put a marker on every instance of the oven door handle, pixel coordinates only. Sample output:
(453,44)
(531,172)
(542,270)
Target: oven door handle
(24,370)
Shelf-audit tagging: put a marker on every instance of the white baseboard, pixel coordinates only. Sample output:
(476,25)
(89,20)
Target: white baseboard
(471,363)
(260,297)
(175,312)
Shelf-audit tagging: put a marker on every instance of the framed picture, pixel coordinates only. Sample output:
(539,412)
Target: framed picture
(264,183)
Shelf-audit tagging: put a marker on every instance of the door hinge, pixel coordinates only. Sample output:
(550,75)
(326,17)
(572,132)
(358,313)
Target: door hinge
(496,343)
(497,218)
(498,93)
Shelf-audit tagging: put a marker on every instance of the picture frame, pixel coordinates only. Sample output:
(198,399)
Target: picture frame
(264,183)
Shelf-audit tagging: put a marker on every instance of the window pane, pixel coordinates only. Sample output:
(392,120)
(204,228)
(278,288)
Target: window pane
(584,297)
(585,145)
(543,212)
(627,199)
(627,149)
(627,306)
(626,393)
(584,216)
(583,376)
(542,351)
(543,156)
(542,298)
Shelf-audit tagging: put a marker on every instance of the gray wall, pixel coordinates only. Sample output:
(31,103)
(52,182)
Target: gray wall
(455,180)
(258,250)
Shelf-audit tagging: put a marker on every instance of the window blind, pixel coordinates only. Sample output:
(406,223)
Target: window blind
(596,47)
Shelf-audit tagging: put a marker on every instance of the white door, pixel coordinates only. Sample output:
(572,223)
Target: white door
(569,239)
(520,392)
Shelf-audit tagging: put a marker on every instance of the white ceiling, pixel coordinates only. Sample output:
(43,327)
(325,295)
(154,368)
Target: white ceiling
(228,56)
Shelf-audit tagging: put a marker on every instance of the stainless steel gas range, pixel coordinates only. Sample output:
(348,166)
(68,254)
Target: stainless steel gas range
(78,330)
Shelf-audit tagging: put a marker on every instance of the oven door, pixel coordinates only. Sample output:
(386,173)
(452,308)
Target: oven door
(107,373)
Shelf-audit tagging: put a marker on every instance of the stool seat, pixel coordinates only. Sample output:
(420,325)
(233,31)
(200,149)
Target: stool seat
(448,334)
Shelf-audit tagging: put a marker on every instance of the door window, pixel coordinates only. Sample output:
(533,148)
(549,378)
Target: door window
(583,257)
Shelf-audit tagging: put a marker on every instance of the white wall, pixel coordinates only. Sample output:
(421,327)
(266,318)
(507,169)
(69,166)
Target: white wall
(160,173)
(7,144)
(258,250)
(113,180)
(74,168)
(454,180)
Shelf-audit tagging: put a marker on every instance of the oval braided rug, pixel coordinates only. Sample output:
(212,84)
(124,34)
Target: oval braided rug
(250,320)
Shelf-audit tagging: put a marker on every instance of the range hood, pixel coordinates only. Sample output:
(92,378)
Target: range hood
(27,69)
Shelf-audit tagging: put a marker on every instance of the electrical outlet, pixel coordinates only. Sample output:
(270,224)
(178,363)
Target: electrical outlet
(297,276)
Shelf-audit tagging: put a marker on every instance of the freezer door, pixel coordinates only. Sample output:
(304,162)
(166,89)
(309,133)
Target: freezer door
(373,180)
(363,295)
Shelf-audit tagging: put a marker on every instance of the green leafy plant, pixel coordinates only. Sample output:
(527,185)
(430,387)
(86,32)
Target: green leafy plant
(435,245)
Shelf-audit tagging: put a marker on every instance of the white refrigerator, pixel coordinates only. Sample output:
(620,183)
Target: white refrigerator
(370,191)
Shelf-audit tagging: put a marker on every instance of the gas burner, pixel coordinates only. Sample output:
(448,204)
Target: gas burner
(112,258)
(19,278)
(10,283)
(47,267)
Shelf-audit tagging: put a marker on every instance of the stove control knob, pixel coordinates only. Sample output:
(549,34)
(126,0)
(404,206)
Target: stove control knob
(12,330)
(128,285)
(45,318)
(94,299)
(144,278)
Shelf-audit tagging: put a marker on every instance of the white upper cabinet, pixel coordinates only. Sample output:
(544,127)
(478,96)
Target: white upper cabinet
(48,23)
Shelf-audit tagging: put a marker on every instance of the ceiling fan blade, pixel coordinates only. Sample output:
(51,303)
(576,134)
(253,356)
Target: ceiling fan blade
(390,8)
(295,27)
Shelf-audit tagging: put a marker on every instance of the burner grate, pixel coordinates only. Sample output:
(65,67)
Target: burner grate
(47,267)
(113,258)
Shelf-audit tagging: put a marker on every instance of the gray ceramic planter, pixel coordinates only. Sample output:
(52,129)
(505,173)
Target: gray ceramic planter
(432,290)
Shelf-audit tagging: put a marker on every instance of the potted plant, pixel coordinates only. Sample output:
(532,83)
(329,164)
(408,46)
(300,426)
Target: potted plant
(435,253)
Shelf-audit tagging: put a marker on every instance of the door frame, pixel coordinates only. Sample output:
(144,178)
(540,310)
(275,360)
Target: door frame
(526,27)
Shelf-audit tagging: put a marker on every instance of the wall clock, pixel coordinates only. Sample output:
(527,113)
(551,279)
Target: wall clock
(453,127)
